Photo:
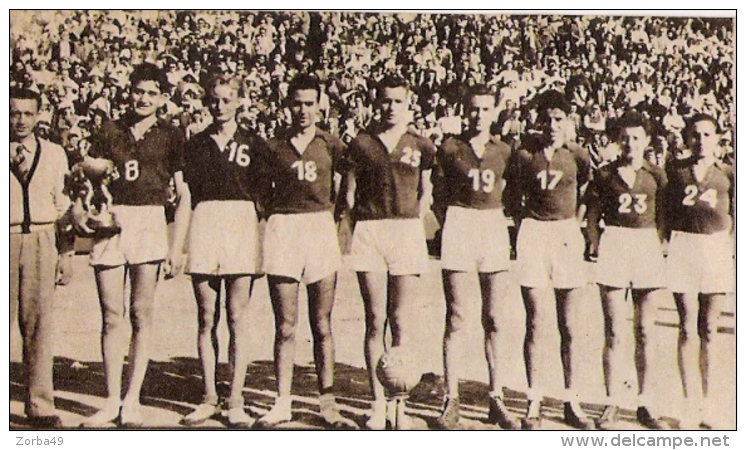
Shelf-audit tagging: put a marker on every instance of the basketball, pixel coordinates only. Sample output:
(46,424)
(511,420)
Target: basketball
(397,371)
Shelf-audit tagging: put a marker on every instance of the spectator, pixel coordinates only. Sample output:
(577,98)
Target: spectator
(651,63)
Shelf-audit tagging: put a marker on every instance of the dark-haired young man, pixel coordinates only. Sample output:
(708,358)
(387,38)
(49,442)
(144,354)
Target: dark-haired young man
(389,191)
(146,153)
(37,202)
(468,187)
(701,269)
(542,192)
(628,196)
(304,164)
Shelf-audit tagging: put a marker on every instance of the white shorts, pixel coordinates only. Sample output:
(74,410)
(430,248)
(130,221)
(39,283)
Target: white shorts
(475,240)
(396,246)
(631,257)
(224,239)
(701,263)
(303,247)
(144,237)
(550,254)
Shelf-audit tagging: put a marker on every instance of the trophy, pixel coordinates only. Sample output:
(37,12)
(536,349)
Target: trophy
(90,180)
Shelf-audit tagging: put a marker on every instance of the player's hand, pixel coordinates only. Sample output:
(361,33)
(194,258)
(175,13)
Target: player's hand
(664,248)
(591,253)
(173,264)
(64,269)
(80,219)
(425,206)
(339,215)
(517,224)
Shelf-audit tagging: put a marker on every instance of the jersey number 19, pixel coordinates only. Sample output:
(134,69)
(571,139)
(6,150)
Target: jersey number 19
(484,180)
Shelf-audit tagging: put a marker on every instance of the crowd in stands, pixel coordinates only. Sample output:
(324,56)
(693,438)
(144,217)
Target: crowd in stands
(666,67)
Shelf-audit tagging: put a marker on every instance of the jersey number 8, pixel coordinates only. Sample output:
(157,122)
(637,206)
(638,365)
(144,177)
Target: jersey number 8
(131,170)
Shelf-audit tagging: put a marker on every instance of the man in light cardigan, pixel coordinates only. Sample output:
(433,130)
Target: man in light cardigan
(37,202)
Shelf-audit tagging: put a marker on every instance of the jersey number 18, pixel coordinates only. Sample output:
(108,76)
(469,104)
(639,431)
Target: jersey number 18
(306,171)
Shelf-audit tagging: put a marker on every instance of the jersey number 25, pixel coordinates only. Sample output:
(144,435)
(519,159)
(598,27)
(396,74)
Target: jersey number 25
(411,157)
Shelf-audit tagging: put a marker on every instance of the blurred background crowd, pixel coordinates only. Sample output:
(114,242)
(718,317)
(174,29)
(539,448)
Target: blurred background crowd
(666,67)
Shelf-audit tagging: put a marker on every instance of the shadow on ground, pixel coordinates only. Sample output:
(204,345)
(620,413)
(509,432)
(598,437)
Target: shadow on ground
(174,387)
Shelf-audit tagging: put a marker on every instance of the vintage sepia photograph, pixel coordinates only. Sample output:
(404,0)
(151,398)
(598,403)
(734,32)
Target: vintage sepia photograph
(359,220)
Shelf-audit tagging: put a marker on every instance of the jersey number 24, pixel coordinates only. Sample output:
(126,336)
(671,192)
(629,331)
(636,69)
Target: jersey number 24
(709,196)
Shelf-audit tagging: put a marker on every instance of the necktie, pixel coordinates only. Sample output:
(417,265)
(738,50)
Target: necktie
(18,161)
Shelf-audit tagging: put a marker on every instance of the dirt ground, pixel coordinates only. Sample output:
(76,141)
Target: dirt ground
(173,385)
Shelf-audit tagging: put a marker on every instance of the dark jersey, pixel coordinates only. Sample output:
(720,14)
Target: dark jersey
(389,184)
(701,207)
(304,182)
(625,206)
(461,178)
(230,173)
(546,189)
(146,166)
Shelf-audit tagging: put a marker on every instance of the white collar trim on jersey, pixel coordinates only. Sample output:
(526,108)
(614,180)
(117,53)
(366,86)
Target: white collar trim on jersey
(391,137)
(301,141)
(139,129)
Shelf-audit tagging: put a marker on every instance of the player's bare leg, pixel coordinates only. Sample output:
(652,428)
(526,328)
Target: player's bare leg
(110,285)
(284,294)
(455,287)
(144,278)
(539,303)
(207,293)
(238,293)
(493,287)
(698,316)
(320,305)
(710,313)
(569,319)
(644,321)
(687,305)
(613,303)
(374,290)
(403,292)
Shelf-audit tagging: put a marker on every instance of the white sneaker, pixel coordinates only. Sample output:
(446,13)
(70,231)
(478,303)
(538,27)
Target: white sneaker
(377,420)
(281,412)
(237,418)
(105,417)
(331,415)
(201,414)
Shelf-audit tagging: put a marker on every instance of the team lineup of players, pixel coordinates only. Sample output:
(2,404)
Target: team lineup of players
(303,180)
